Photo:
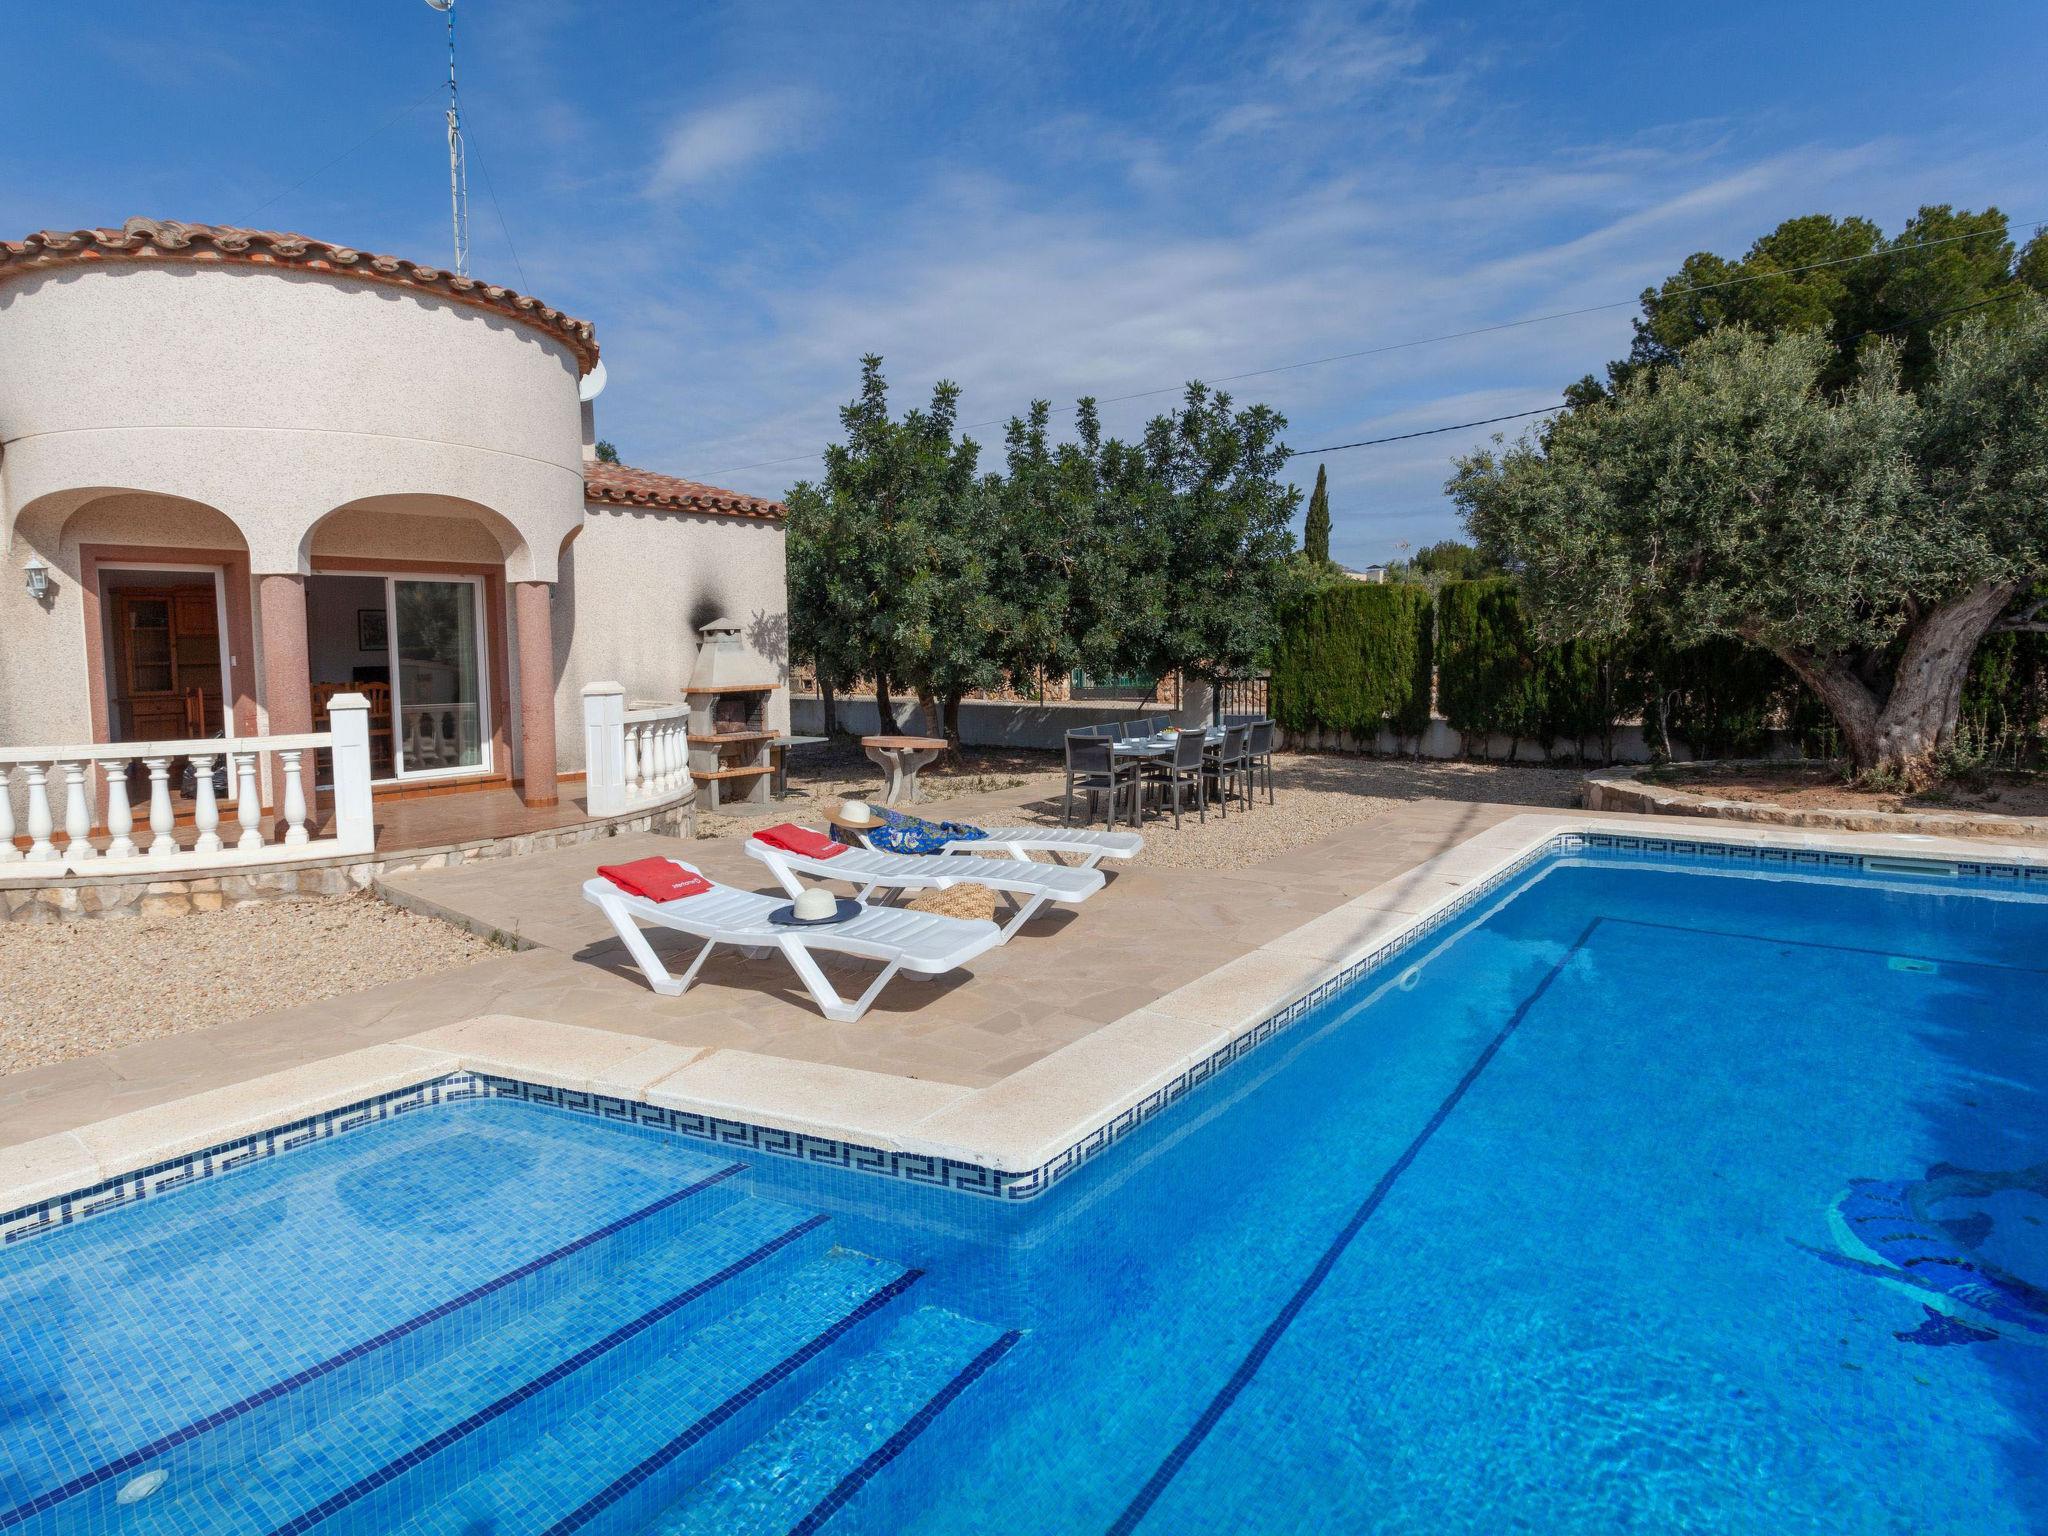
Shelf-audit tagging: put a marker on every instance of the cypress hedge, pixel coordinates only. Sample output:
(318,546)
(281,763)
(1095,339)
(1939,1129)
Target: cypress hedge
(1353,658)
(1359,656)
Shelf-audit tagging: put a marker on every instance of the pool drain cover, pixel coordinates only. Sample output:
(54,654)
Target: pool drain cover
(138,1489)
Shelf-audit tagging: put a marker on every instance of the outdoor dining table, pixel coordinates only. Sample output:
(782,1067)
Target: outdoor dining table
(1162,746)
(900,757)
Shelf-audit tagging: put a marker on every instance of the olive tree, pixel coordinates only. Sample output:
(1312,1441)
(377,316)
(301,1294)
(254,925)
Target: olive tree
(1869,538)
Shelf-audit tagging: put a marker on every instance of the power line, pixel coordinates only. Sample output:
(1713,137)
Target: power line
(500,212)
(1481,330)
(329,165)
(1402,437)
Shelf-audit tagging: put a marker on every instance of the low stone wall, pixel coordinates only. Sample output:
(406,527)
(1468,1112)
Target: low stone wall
(77,897)
(1622,789)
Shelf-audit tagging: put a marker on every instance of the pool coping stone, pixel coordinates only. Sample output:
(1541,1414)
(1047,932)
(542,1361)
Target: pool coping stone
(1013,1138)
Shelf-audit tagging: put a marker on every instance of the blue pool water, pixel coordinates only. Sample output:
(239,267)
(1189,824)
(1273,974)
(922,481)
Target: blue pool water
(1650,1195)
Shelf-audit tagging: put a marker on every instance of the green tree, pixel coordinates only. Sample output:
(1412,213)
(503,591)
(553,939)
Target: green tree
(1870,539)
(606,453)
(1843,279)
(1315,534)
(864,542)
(1208,525)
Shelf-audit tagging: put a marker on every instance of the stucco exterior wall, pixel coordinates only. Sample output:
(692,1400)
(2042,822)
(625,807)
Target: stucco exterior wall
(633,588)
(278,396)
(45,689)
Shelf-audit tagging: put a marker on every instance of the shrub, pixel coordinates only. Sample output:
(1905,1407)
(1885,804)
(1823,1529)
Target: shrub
(1486,675)
(1352,658)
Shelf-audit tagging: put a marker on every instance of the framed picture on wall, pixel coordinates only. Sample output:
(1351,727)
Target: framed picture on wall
(373,632)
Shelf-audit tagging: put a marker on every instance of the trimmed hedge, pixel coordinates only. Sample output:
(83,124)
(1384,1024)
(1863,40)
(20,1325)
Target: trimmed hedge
(1353,658)
(1356,657)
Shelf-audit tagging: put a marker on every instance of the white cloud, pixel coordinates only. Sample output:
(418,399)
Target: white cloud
(714,142)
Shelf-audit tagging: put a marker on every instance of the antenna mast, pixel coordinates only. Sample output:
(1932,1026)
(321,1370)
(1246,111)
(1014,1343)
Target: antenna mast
(458,162)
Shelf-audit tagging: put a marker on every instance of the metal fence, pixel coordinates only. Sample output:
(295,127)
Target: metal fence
(1243,696)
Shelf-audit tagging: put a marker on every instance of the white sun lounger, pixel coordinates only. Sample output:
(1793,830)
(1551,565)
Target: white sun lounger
(1026,886)
(922,943)
(1021,842)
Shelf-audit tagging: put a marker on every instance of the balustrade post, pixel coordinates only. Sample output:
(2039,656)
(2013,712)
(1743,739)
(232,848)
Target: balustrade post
(40,848)
(205,807)
(248,801)
(295,832)
(633,766)
(120,815)
(77,815)
(8,852)
(604,748)
(162,824)
(355,822)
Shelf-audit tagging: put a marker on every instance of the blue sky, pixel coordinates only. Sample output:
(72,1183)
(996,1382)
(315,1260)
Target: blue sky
(1043,200)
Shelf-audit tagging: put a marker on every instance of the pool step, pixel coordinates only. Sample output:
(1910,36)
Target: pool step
(816,1458)
(262,1474)
(609,1459)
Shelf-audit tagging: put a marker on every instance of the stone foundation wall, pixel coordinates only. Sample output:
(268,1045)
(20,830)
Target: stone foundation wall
(94,896)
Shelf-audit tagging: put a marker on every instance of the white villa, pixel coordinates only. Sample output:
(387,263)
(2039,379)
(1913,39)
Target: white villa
(298,536)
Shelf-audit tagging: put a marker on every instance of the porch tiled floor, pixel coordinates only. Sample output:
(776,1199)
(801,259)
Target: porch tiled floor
(1065,976)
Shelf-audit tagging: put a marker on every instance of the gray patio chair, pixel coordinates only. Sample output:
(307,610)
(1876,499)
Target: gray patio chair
(1094,769)
(1229,765)
(1183,771)
(1259,754)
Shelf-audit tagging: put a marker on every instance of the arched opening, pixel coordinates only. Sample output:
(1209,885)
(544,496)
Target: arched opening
(150,605)
(406,604)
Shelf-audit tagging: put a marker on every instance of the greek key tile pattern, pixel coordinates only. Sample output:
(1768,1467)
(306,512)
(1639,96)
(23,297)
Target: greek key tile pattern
(161,1178)
(917,1168)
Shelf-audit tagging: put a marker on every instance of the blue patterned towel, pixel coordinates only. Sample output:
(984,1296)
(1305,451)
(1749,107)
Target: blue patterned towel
(911,834)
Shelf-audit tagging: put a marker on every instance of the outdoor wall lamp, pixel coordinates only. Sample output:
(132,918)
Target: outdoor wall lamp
(38,575)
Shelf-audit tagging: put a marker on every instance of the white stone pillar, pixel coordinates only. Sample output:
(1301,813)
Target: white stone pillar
(355,822)
(604,748)
(205,806)
(294,800)
(120,816)
(248,801)
(77,815)
(41,849)
(8,852)
(162,823)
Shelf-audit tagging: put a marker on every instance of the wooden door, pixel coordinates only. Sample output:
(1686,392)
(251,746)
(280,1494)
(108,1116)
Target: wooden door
(167,675)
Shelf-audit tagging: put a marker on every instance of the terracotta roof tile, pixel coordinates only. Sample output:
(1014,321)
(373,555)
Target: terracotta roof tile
(624,486)
(167,240)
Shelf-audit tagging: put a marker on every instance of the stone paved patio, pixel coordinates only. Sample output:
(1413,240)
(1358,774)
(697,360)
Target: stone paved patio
(1068,974)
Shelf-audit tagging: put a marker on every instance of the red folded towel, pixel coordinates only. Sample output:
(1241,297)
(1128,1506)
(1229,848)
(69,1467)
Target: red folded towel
(655,879)
(792,838)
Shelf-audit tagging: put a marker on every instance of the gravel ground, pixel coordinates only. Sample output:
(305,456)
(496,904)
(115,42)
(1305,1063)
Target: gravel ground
(1317,794)
(72,989)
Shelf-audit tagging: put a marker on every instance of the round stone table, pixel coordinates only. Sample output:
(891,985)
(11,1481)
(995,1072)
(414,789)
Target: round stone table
(900,757)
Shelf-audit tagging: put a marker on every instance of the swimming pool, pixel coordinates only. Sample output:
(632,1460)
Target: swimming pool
(1654,1192)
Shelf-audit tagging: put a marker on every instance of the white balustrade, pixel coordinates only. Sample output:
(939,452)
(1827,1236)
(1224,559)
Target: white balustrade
(40,849)
(248,801)
(295,834)
(120,819)
(77,815)
(34,771)
(162,823)
(633,759)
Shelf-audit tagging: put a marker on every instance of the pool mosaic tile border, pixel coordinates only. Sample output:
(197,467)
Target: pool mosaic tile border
(924,1169)
(225,1157)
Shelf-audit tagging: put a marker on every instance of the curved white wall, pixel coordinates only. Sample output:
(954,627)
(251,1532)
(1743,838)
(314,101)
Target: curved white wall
(278,396)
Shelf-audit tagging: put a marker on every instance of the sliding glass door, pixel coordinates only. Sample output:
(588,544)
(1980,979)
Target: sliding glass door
(440,721)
